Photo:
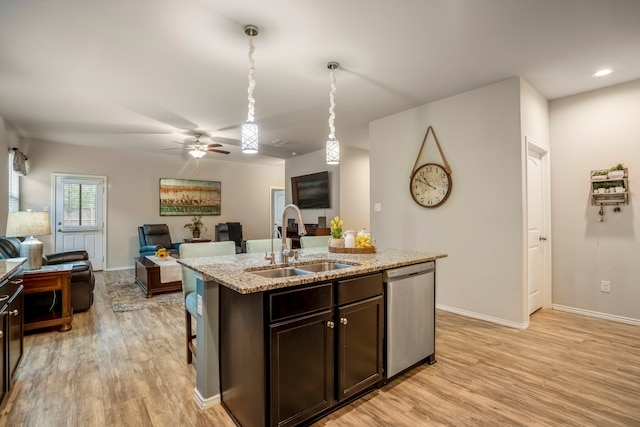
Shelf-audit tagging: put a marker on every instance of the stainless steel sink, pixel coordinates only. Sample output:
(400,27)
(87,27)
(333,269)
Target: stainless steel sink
(280,272)
(324,266)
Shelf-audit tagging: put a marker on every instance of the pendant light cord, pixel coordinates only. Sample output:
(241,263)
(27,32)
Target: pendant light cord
(252,82)
(332,105)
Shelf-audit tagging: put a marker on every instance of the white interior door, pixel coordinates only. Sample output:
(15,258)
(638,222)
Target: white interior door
(537,236)
(277,206)
(79,216)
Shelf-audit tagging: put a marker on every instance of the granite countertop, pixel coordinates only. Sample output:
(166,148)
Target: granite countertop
(231,270)
(8,266)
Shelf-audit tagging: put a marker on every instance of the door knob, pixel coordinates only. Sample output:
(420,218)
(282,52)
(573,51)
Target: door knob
(14,312)
(542,238)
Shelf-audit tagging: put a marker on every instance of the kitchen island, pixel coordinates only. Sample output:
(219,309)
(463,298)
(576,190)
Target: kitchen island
(245,319)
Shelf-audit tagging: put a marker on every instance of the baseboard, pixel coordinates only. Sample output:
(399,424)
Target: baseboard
(612,317)
(118,268)
(205,403)
(483,317)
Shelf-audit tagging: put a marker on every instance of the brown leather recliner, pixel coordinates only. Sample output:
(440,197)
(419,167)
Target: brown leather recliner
(82,277)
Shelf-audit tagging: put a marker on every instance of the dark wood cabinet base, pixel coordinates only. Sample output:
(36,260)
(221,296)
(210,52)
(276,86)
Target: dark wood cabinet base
(148,278)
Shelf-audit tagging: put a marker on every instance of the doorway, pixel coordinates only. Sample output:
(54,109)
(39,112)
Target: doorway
(277,207)
(538,227)
(79,218)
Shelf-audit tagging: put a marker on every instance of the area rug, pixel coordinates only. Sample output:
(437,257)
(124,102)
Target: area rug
(126,295)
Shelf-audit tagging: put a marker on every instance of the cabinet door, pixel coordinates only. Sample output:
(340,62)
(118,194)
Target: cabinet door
(360,346)
(301,368)
(4,380)
(15,330)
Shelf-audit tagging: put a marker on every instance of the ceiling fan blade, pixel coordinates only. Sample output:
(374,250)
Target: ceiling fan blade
(217,151)
(214,145)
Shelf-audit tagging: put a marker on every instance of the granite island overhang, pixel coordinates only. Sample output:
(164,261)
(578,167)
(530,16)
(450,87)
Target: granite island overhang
(235,272)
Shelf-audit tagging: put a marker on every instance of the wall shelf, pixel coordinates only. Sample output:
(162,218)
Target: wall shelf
(605,190)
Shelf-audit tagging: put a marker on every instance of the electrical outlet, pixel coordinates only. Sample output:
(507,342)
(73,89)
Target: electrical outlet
(377,207)
(199,304)
(605,286)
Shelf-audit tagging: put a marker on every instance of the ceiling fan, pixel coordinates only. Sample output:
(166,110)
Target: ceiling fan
(198,149)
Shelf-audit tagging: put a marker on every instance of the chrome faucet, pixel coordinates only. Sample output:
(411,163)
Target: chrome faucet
(287,253)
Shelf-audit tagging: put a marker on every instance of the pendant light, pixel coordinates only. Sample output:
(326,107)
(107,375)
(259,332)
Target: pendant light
(249,128)
(333,145)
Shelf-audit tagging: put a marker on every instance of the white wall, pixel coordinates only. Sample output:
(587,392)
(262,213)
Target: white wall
(481,225)
(312,163)
(354,188)
(4,178)
(595,130)
(133,191)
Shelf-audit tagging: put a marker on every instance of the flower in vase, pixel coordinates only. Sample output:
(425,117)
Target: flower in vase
(336,228)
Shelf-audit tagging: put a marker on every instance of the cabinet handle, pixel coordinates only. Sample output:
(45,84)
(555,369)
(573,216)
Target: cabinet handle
(3,298)
(14,312)
(16,281)
(343,320)
(1,334)
(330,324)
(542,238)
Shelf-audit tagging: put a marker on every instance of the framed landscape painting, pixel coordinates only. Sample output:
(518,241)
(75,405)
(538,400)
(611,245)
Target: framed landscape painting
(181,197)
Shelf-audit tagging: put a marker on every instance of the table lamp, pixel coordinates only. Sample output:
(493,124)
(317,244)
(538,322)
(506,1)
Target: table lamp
(29,224)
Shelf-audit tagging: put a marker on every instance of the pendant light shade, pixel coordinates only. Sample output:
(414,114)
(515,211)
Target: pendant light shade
(249,128)
(333,145)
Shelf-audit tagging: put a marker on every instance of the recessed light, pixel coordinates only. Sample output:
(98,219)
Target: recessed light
(603,72)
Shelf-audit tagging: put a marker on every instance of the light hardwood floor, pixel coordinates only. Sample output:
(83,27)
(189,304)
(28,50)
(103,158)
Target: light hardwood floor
(128,369)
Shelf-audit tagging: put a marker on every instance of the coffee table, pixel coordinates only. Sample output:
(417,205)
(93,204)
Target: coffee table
(148,278)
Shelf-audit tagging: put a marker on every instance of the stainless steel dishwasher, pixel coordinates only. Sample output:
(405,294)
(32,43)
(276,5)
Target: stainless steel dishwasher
(410,305)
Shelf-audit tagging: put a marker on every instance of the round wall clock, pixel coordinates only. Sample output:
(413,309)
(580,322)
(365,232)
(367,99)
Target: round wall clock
(430,185)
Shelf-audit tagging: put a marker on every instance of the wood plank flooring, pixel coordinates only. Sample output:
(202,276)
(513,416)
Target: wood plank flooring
(128,369)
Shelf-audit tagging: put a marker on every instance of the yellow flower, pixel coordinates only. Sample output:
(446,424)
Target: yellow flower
(162,253)
(336,228)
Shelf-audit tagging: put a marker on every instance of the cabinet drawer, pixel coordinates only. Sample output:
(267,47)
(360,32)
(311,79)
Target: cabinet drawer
(359,288)
(294,302)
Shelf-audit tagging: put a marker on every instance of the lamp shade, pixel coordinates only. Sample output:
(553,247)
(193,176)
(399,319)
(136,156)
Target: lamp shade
(21,224)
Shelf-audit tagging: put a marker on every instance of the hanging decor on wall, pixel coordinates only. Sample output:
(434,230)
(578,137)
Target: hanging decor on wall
(333,145)
(430,184)
(181,197)
(249,128)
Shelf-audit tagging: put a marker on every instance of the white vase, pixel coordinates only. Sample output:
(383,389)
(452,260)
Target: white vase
(616,174)
(336,243)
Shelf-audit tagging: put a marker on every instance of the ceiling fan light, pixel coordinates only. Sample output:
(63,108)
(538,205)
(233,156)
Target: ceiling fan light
(333,151)
(198,154)
(249,138)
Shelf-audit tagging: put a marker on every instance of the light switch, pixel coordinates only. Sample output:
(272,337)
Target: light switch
(377,207)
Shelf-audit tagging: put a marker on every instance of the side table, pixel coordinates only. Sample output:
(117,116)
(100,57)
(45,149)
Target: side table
(197,240)
(49,279)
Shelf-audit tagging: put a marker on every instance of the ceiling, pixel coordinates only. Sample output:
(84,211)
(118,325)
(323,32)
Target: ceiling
(139,75)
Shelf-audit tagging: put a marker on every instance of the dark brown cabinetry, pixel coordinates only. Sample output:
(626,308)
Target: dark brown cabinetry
(11,332)
(291,355)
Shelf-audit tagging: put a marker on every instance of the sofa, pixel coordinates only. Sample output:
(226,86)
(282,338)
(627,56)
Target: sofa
(82,277)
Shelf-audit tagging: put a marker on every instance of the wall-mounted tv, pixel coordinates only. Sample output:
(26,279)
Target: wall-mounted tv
(311,191)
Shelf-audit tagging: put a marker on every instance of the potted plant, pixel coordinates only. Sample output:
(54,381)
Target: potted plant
(616,171)
(599,175)
(336,240)
(195,226)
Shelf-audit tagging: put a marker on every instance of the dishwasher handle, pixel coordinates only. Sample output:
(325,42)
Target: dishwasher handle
(410,270)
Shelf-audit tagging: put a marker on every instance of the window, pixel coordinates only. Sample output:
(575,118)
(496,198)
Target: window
(79,201)
(14,185)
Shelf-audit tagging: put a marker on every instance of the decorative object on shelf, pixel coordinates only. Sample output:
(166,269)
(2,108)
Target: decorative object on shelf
(336,242)
(29,224)
(162,253)
(616,172)
(609,186)
(196,226)
(430,184)
(333,145)
(249,128)
(182,197)
(336,228)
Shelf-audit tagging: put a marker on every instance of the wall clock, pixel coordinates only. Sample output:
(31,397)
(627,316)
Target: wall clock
(430,184)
